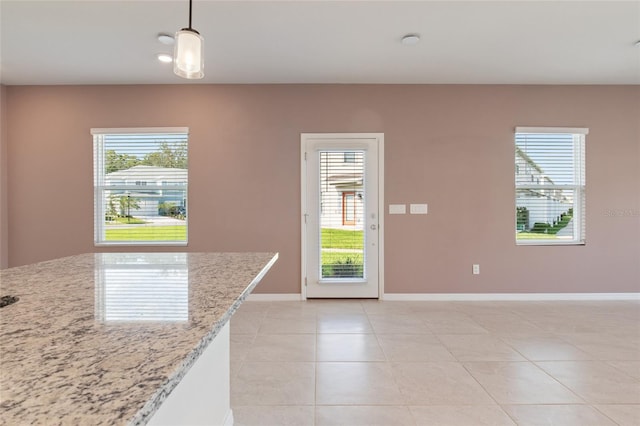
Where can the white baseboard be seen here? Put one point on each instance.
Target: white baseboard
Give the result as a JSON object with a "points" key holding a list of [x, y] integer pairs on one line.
{"points": [[229, 420], [461, 297], [274, 297], [507, 296]]}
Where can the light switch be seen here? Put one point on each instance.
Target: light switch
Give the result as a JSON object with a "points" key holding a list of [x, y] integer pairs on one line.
{"points": [[397, 208], [418, 209]]}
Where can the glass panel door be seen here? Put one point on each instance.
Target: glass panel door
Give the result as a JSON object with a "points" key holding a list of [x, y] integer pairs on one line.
{"points": [[340, 210], [342, 214]]}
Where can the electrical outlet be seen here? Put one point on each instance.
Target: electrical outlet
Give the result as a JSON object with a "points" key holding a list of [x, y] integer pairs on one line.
{"points": [[476, 269]]}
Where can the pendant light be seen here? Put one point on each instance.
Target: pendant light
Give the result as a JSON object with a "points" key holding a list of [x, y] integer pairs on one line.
{"points": [[188, 57]]}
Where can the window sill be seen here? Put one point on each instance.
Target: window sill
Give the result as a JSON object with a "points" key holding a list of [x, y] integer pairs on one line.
{"points": [[142, 243], [549, 243]]}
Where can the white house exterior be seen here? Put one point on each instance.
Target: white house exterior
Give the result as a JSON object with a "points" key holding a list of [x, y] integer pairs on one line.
{"points": [[544, 205], [150, 186]]}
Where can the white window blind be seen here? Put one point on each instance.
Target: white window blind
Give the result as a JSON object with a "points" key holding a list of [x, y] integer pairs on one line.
{"points": [[550, 185], [342, 214], [140, 186]]}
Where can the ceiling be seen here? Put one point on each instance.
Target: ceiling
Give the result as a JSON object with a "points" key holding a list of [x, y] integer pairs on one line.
{"points": [[462, 42]]}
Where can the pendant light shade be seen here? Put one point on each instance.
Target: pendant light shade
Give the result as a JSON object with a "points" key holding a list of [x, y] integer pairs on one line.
{"points": [[188, 61], [188, 56]]}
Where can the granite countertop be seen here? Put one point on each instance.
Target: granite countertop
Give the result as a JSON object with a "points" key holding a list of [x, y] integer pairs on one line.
{"points": [[102, 339]]}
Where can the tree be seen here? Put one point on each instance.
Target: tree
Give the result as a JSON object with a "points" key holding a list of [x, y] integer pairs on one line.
{"points": [[166, 208], [168, 156], [111, 207], [115, 162], [127, 203]]}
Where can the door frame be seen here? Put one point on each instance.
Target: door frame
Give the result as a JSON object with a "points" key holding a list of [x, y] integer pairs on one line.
{"points": [[304, 138]]}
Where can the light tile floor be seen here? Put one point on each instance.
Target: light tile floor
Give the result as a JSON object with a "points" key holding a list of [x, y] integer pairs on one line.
{"points": [[352, 362]]}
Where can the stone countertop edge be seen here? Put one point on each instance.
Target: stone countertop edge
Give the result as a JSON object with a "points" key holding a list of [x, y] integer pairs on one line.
{"points": [[143, 416]]}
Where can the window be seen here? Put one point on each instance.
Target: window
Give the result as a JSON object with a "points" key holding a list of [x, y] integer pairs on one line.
{"points": [[550, 204], [140, 186], [349, 157]]}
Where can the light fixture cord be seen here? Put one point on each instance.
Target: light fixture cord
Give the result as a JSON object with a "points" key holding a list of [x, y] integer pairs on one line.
{"points": [[190, 14]]}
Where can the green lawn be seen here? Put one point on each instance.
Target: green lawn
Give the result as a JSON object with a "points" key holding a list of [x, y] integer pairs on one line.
{"points": [[347, 261], [342, 239], [535, 236], [331, 258], [148, 233]]}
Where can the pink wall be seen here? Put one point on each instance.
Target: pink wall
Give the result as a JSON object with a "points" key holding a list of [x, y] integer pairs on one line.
{"points": [[4, 223], [448, 146]]}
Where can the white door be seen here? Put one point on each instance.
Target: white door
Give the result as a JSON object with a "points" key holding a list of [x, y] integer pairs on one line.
{"points": [[341, 206]]}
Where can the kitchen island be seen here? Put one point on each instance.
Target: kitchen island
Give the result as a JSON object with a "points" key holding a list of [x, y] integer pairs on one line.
{"points": [[122, 338]]}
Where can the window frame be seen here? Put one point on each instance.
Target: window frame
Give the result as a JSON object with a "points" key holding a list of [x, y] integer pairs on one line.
{"points": [[578, 187], [99, 155]]}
